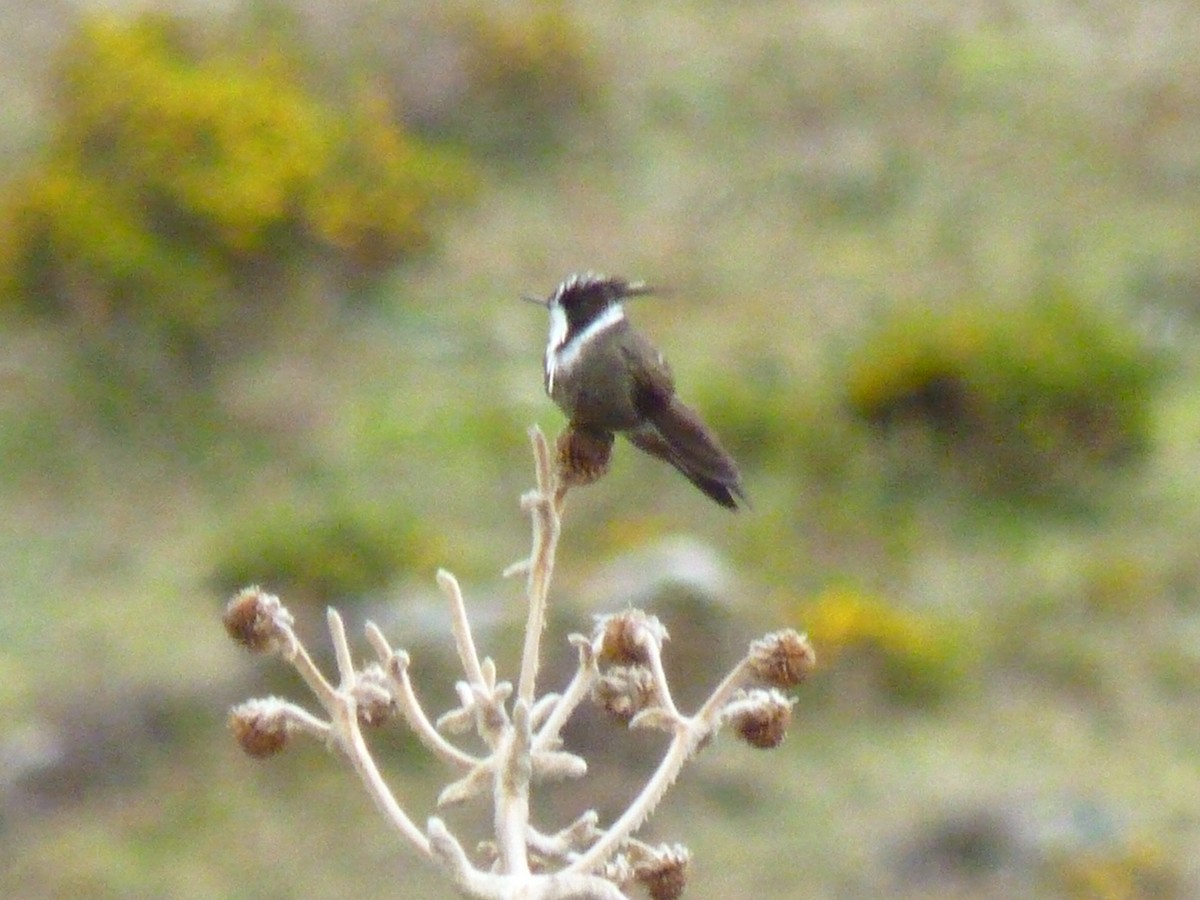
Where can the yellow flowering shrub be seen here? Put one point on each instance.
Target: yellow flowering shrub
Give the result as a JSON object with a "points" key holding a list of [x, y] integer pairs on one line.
{"points": [[223, 142], [1026, 393], [375, 198], [1122, 871], [177, 172], [915, 658]]}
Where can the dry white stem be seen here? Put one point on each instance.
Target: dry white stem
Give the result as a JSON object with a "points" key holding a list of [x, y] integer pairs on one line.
{"points": [[682, 746], [488, 668], [520, 567], [491, 716], [395, 665], [557, 765], [456, 721], [465, 643], [341, 649], [343, 712], [655, 718], [342, 708], [569, 840], [689, 735], [306, 723], [653, 650], [546, 525], [579, 688], [542, 708], [480, 709], [449, 854], [710, 713], [297, 654], [513, 773], [445, 850], [380, 644], [351, 740], [523, 746], [476, 783]]}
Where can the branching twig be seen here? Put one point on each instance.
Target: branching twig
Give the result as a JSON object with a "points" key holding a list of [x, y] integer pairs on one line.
{"points": [[396, 668], [576, 692], [619, 666], [462, 627], [544, 506]]}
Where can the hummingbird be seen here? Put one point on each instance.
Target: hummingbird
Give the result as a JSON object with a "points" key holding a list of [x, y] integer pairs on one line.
{"points": [[608, 379]]}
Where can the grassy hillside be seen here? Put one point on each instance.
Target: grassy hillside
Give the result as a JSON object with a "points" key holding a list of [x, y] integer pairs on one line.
{"points": [[932, 274]]}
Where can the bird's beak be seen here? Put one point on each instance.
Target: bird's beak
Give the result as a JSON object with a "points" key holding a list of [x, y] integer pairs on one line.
{"points": [[538, 300]]}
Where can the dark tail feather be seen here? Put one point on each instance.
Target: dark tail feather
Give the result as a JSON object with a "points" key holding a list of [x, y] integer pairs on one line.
{"points": [[727, 495], [680, 438]]}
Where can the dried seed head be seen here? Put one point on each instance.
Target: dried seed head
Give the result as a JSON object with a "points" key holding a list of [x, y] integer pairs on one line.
{"points": [[782, 659], [664, 874], [260, 727], [625, 637], [258, 621], [760, 717], [624, 691], [583, 456], [373, 697]]}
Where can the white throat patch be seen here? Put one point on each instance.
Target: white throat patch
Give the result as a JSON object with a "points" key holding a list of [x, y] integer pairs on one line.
{"points": [[561, 354]]}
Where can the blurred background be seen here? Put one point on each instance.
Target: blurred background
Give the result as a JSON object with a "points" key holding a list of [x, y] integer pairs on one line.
{"points": [[934, 279]]}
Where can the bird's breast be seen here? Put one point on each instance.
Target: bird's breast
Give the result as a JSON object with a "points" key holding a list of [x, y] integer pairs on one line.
{"points": [[594, 390]]}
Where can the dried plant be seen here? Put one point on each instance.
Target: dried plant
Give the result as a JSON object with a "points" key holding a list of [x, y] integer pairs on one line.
{"points": [[620, 667]]}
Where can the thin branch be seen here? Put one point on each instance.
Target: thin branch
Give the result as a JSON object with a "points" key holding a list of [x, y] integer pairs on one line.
{"points": [[688, 736], [344, 716], [680, 750], [709, 713], [297, 655], [663, 689], [546, 525], [462, 627], [341, 649], [513, 772], [567, 841], [305, 722], [576, 692], [395, 666], [448, 853]]}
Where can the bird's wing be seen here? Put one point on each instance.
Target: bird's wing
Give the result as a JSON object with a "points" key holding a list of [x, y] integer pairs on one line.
{"points": [[682, 438], [652, 387]]}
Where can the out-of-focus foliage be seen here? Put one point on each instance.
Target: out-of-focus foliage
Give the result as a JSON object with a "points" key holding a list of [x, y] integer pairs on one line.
{"points": [[1138, 869], [912, 658], [755, 156], [1025, 394], [180, 179], [513, 82], [334, 554], [759, 410], [529, 75]]}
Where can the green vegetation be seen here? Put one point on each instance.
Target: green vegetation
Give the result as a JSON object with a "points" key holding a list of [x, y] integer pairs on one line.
{"points": [[530, 80], [335, 555], [932, 277], [912, 658], [1022, 396], [181, 183]]}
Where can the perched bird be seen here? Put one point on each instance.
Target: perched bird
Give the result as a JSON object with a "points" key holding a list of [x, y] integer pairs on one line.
{"points": [[607, 378]]}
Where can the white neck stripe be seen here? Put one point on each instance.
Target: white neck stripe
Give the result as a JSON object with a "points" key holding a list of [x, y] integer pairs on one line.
{"points": [[563, 354]]}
